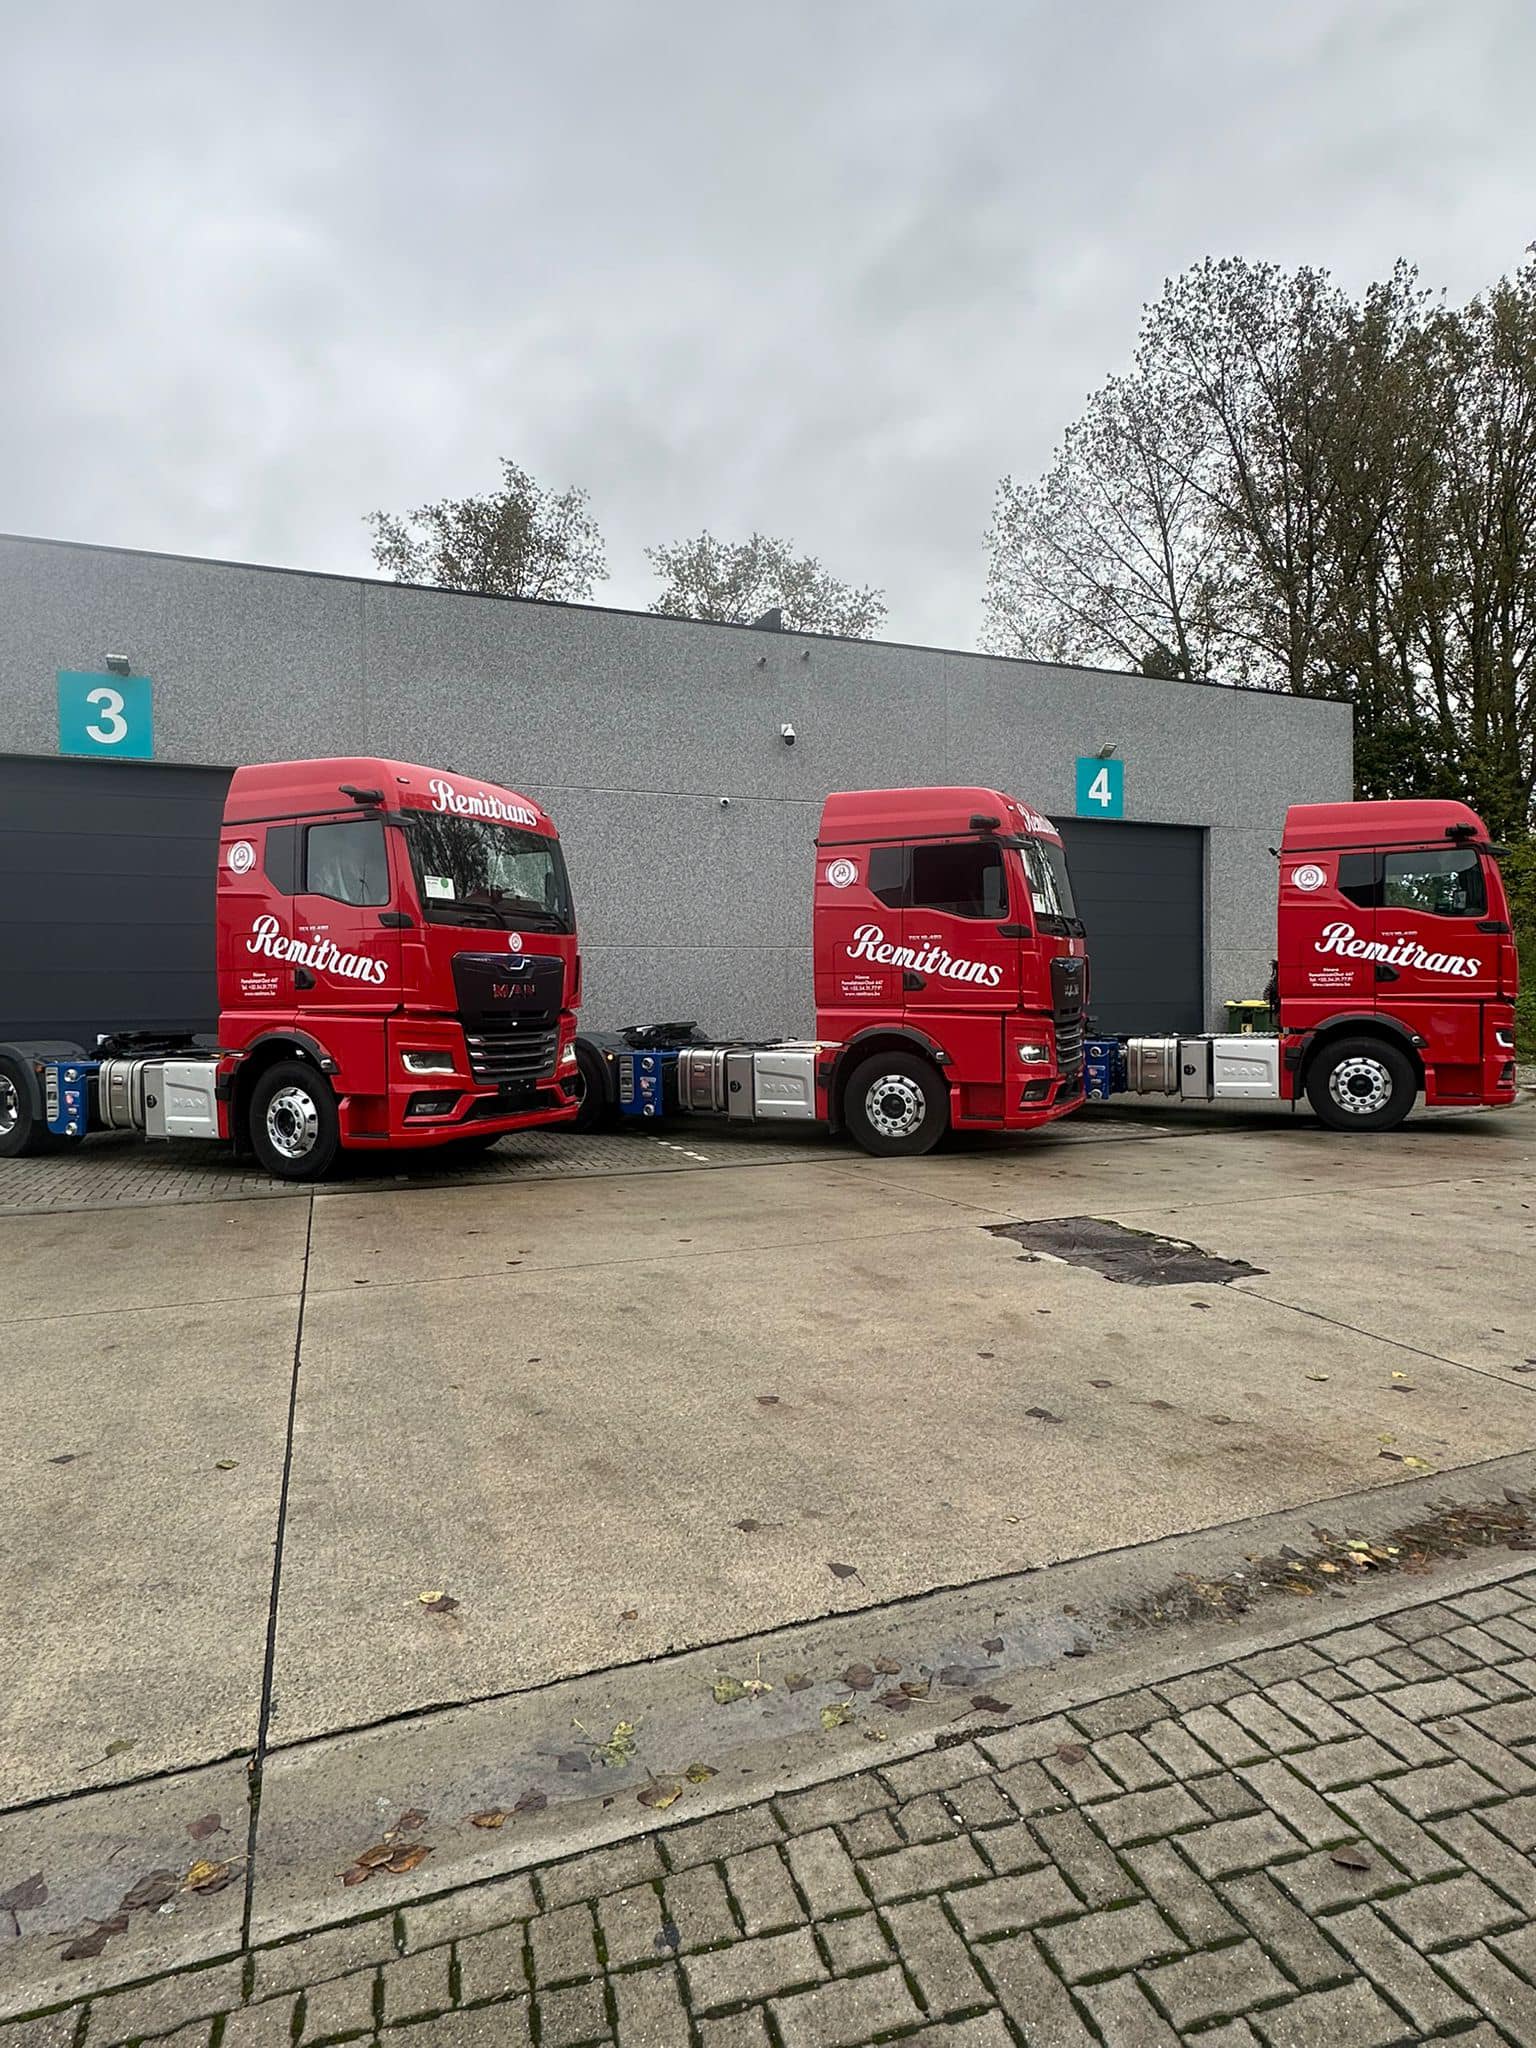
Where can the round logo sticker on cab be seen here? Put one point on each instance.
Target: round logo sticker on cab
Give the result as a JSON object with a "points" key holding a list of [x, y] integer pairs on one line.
{"points": [[514, 942], [842, 874], [241, 857], [1308, 877]]}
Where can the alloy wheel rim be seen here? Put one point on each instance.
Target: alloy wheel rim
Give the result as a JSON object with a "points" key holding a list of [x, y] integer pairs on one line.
{"points": [[895, 1106], [10, 1106], [293, 1123], [1360, 1086]]}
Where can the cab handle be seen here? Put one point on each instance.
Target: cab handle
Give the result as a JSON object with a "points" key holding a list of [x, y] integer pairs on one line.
{"points": [[1385, 971], [1493, 924], [397, 920], [911, 980], [1015, 931]]}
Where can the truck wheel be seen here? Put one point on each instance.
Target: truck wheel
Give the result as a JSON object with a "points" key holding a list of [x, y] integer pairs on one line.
{"points": [[293, 1125], [596, 1112], [896, 1105], [21, 1133], [1362, 1084]]}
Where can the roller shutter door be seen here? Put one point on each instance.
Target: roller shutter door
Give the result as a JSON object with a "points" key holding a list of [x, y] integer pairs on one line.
{"points": [[107, 896], [1141, 892]]}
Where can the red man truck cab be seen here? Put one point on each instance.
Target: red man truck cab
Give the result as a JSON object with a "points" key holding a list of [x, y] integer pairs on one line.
{"points": [[396, 963], [1396, 968], [947, 948]]}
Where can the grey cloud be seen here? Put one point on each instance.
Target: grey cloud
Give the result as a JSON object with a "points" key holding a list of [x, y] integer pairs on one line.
{"points": [[828, 270]]}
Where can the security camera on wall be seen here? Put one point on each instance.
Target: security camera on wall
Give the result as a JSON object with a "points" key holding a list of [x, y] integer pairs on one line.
{"points": [[787, 735]]}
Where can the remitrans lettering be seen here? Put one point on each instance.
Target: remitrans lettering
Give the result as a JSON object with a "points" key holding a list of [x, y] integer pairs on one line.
{"points": [[1342, 939], [317, 953], [478, 803], [869, 943]]}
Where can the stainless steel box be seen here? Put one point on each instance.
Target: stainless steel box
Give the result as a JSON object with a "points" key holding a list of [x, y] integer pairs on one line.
{"points": [[1152, 1066], [784, 1084], [701, 1079], [1245, 1066], [1195, 1069], [179, 1101], [738, 1086]]}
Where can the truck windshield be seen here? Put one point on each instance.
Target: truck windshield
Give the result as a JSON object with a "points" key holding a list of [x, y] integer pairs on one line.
{"points": [[472, 871], [1050, 886]]}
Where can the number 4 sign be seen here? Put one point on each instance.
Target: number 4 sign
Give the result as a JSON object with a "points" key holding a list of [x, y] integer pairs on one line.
{"points": [[1100, 787], [106, 715]]}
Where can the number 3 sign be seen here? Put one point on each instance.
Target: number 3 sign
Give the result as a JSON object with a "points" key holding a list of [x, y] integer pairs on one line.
{"points": [[106, 715]]}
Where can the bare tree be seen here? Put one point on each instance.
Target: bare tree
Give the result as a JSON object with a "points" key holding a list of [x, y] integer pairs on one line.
{"points": [[736, 584], [519, 541], [1305, 492]]}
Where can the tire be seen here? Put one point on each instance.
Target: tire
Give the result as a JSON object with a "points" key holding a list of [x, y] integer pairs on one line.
{"points": [[23, 1134], [292, 1123], [1362, 1084], [596, 1112], [896, 1105]]}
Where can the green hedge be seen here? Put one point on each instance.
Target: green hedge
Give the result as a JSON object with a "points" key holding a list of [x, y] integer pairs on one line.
{"points": [[1519, 866]]}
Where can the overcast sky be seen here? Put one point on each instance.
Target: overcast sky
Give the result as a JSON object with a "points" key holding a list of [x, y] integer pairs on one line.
{"points": [[827, 268]]}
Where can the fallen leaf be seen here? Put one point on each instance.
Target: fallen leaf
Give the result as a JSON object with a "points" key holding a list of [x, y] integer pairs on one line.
{"points": [[428, 1597], [377, 1856], [573, 1760], [1392, 1457], [797, 1682], [1418, 1465], [993, 1645], [440, 1603], [489, 1817], [1330, 1568], [69, 1457], [896, 1702], [532, 1801], [21, 1898], [727, 1690], [915, 1688], [152, 1890], [630, 1614], [92, 1942], [749, 1527], [1167, 1406], [984, 1703], [1041, 1415], [1077, 1650], [842, 1571], [407, 1858], [358, 1874], [409, 1821], [660, 1793], [767, 1400], [1072, 1752], [699, 1774], [858, 1678], [877, 1734], [986, 1354], [1399, 1375], [1351, 1857], [205, 1825], [119, 1748], [1318, 1377], [1405, 1389], [225, 1464], [835, 1715], [888, 1666], [669, 1940], [1101, 1383], [207, 1877], [619, 1749]]}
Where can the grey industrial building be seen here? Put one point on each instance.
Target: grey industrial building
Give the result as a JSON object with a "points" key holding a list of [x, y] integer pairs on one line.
{"points": [[656, 744]]}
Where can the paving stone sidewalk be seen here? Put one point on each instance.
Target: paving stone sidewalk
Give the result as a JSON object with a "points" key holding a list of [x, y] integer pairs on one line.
{"points": [[1329, 1843]]}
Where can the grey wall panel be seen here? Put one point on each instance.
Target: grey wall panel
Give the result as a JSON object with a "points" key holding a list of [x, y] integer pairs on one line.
{"points": [[730, 991]]}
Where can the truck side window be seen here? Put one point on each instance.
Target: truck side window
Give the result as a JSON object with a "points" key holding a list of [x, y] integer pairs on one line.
{"points": [[280, 862], [1447, 881], [888, 875], [966, 880], [347, 862], [1358, 880]]}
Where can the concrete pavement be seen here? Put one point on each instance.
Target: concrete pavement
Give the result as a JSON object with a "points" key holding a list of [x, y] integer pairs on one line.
{"points": [[616, 1417]]}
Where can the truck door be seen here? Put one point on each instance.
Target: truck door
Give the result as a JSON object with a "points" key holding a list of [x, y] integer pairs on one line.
{"points": [[960, 970], [346, 966], [1441, 965], [1327, 927]]}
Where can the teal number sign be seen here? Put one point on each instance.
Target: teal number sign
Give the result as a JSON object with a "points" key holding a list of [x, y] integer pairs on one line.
{"points": [[1100, 787], [106, 715]]}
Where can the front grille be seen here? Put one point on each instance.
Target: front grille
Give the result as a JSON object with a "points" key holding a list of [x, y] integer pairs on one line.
{"points": [[513, 1051], [1069, 1048]]}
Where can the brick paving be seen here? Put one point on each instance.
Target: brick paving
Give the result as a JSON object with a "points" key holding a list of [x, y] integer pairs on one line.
{"points": [[1324, 1846]]}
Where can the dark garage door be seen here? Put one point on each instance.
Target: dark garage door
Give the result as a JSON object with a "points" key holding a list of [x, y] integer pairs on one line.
{"points": [[106, 896], [1141, 892]]}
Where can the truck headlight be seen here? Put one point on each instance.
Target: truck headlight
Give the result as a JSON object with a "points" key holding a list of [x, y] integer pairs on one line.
{"points": [[1504, 1040], [440, 1061], [568, 1056], [1034, 1052]]}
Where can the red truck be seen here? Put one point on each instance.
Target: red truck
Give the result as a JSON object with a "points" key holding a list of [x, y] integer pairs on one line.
{"points": [[952, 984], [396, 965]]}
